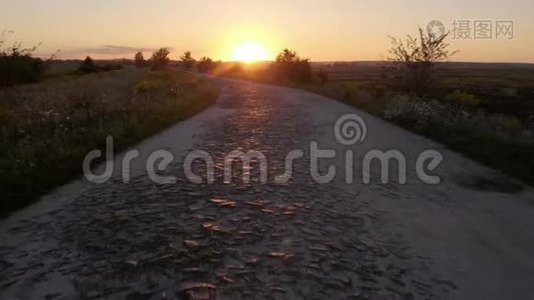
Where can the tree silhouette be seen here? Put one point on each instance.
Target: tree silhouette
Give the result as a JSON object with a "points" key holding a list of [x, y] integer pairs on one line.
{"points": [[160, 59], [88, 66], [290, 67], [411, 64], [139, 60], [287, 57], [187, 60]]}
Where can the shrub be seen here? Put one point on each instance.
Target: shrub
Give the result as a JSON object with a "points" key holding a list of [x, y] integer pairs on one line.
{"points": [[411, 66], [18, 66], [464, 99], [408, 111]]}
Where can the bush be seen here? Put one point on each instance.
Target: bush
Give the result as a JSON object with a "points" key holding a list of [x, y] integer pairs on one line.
{"points": [[411, 66], [463, 99], [18, 66], [424, 114]]}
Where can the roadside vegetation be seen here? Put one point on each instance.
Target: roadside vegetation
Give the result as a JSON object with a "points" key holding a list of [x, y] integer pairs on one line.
{"points": [[486, 113], [46, 129], [17, 65]]}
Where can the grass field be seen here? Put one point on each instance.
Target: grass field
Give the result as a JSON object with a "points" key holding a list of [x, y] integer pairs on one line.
{"points": [[48, 128]]}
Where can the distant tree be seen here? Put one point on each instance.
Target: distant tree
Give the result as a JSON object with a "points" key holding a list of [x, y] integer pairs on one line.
{"points": [[205, 64], [187, 60], [160, 59], [287, 57], [88, 66], [139, 60], [289, 66], [411, 65]]}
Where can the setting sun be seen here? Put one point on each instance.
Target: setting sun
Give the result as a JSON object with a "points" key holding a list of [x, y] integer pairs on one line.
{"points": [[249, 52]]}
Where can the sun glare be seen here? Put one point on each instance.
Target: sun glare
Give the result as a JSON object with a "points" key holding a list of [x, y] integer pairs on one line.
{"points": [[249, 52]]}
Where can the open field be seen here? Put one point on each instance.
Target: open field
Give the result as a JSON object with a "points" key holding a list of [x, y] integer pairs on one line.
{"points": [[48, 128], [485, 111], [500, 88]]}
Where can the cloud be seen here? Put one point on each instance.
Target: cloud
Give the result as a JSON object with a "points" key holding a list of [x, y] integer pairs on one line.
{"points": [[107, 51], [114, 49]]}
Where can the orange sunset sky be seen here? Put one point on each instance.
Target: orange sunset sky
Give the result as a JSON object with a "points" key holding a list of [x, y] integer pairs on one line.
{"points": [[337, 30]]}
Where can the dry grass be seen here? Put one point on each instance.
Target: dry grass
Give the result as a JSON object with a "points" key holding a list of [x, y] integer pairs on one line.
{"points": [[46, 129]]}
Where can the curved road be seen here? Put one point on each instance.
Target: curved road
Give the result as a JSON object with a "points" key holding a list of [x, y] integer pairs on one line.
{"points": [[469, 237]]}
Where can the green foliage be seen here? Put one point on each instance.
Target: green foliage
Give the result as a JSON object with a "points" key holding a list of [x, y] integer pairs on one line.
{"points": [[152, 81], [160, 59], [494, 139], [145, 86], [463, 99], [187, 60], [58, 123]]}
